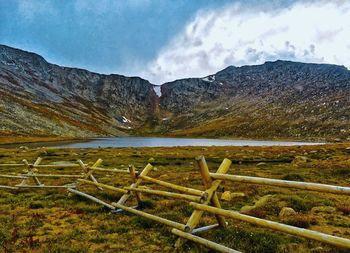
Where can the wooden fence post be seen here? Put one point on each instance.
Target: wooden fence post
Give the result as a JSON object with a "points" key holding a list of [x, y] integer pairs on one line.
{"points": [[126, 196], [88, 172], [197, 214], [31, 171], [207, 181], [133, 175]]}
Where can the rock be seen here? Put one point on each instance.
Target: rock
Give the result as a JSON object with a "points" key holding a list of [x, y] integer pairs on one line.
{"points": [[23, 147], [151, 160], [228, 196], [263, 201], [323, 209], [262, 164], [286, 212], [300, 160]]}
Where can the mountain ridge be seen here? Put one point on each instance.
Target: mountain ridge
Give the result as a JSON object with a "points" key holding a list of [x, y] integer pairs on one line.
{"points": [[304, 100], [31, 84]]}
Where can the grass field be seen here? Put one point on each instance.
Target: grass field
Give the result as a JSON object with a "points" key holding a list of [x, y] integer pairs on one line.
{"points": [[52, 221]]}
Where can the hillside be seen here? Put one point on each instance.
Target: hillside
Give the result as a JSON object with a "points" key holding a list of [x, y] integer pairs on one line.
{"points": [[279, 99], [39, 98], [274, 100]]}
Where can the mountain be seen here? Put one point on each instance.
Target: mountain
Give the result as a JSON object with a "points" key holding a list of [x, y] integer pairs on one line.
{"points": [[280, 99], [39, 98]]}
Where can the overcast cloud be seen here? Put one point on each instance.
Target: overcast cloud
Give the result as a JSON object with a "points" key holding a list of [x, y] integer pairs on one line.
{"points": [[237, 35]]}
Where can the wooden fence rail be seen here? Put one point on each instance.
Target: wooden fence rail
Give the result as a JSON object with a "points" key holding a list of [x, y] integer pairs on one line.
{"points": [[325, 238], [284, 183], [205, 200]]}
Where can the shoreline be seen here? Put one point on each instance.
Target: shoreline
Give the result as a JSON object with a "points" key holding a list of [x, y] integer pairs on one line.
{"points": [[18, 140]]}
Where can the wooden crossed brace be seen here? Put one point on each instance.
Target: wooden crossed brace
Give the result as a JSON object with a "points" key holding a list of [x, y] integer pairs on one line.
{"points": [[31, 172], [136, 182], [211, 187], [88, 172]]}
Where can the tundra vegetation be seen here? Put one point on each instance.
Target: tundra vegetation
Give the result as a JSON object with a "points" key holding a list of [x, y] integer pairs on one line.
{"points": [[51, 220]]}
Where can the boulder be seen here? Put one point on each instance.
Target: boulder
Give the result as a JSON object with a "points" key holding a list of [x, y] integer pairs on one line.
{"points": [[263, 201], [300, 160], [286, 212], [226, 196], [151, 160]]}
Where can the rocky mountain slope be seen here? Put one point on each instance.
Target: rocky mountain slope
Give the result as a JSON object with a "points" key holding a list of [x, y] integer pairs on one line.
{"points": [[39, 98], [279, 99], [275, 100]]}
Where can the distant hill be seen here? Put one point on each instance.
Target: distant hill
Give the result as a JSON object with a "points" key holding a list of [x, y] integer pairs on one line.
{"points": [[280, 99]]}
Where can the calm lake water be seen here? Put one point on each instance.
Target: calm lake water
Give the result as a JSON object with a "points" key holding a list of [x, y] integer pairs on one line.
{"points": [[172, 142]]}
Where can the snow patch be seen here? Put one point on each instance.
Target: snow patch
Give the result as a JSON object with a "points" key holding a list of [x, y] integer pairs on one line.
{"points": [[209, 79], [125, 120], [157, 90]]}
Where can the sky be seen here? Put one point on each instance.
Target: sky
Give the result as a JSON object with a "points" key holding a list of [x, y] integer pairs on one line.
{"points": [[164, 40]]}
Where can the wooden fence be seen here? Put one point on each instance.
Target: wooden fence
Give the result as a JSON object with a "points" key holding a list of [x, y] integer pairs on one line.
{"points": [[205, 200]]}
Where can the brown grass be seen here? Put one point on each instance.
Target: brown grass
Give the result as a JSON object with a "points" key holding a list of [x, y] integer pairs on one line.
{"points": [[50, 221]]}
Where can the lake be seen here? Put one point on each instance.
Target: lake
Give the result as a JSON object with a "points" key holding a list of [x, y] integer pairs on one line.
{"points": [[117, 142]]}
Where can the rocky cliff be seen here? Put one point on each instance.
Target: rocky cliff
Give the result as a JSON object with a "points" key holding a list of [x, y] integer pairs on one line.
{"points": [[45, 99], [279, 99]]}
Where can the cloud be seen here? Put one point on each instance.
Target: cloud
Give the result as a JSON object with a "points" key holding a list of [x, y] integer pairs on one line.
{"points": [[238, 35]]}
